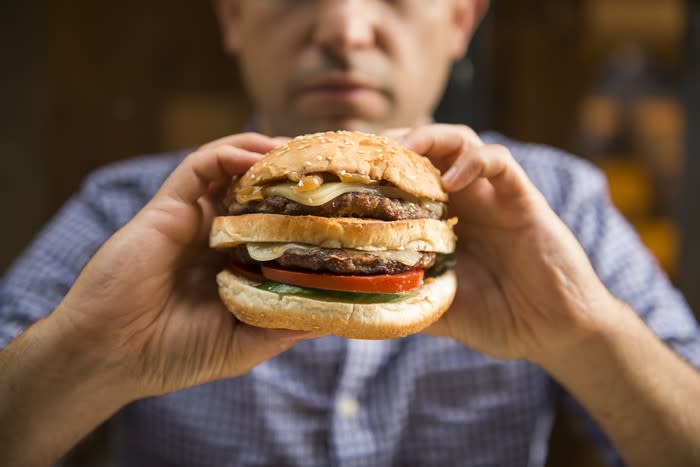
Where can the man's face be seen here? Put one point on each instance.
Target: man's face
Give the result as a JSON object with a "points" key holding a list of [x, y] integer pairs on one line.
{"points": [[314, 65]]}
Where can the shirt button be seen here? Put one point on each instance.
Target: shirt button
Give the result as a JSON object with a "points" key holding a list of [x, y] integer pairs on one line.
{"points": [[348, 407]]}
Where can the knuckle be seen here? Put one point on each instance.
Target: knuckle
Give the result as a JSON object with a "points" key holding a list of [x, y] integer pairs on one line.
{"points": [[499, 149], [465, 129]]}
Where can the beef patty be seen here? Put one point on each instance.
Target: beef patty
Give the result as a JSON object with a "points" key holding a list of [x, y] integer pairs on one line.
{"points": [[363, 205], [337, 261]]}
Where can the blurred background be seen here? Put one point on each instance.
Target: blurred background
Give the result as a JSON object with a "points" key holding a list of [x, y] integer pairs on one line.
{"points": [[85, 83]]}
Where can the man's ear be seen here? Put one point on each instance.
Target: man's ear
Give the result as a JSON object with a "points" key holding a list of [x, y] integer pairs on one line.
{"points": [[228, 13], [467, 14]]}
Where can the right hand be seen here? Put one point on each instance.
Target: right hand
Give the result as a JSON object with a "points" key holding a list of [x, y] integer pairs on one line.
{"points": [[146, 305], [526, 288]]}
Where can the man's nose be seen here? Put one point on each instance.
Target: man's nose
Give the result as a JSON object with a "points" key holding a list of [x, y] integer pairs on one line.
{"points": [[345, 24]]}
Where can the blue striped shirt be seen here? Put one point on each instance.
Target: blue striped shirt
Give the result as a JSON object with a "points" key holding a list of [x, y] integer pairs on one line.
{"points": [[413, 401]]}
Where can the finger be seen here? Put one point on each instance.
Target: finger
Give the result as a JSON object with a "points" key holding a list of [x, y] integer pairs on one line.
{"points": [[444, 144], [281, 140], [397, 134], [465, 158], [208, 211], [441, 140], [492, 162], [204, 168], [254, 142]]}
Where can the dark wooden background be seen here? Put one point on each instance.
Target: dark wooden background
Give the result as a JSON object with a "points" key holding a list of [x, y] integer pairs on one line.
{"points": [[86, 83], [690, 212]]}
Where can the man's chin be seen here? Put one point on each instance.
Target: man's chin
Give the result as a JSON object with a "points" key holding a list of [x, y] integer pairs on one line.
{"points": [[350, 123]]}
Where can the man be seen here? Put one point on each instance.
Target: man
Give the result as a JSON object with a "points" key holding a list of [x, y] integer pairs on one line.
{"points": [[535, 304]]}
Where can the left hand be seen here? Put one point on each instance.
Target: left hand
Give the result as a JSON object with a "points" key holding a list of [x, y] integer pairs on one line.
{"points": [[146, 305], [525, 286]]}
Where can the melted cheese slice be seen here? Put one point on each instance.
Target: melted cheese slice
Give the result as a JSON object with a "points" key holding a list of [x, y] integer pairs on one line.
{"points": [[329, 191]]}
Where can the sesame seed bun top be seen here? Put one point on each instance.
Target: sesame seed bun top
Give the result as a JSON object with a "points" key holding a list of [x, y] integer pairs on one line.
{"points": [[345, 153]]}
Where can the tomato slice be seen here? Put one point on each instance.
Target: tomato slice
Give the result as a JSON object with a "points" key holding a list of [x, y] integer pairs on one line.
{"points": [[384, 283], [243, 271]]}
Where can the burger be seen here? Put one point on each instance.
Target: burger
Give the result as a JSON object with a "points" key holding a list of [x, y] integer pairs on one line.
{"points": [[343, 233]]}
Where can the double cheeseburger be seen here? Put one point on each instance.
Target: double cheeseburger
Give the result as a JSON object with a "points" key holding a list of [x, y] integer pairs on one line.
{"points": [[338, 232]]}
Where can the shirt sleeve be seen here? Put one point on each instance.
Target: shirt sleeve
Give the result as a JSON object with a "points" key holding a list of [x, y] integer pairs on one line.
{"points": [[631, 274], [42, 275]]}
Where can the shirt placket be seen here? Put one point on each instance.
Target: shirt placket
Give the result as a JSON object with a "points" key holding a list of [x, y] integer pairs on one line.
{"points": [[355, 440]]}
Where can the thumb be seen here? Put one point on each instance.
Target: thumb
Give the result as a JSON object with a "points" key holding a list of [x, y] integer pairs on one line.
{"points": [[252, 346]]}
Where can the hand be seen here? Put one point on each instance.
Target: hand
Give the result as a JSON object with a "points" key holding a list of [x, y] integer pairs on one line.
{"points": [[147, 302], [525, 286]]}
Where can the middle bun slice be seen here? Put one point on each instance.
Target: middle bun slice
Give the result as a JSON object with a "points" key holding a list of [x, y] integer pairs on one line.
{"points": [[428, 235]]}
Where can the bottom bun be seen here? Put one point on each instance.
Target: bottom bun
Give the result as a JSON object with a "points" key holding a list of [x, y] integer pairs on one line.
{"points": [[352, 320]]}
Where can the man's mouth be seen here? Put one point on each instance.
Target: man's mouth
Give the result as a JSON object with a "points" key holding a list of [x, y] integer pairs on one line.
{"points": [[339, 87]]}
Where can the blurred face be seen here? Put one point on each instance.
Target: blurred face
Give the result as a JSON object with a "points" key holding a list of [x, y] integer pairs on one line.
{"points": [[314, 65]]}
